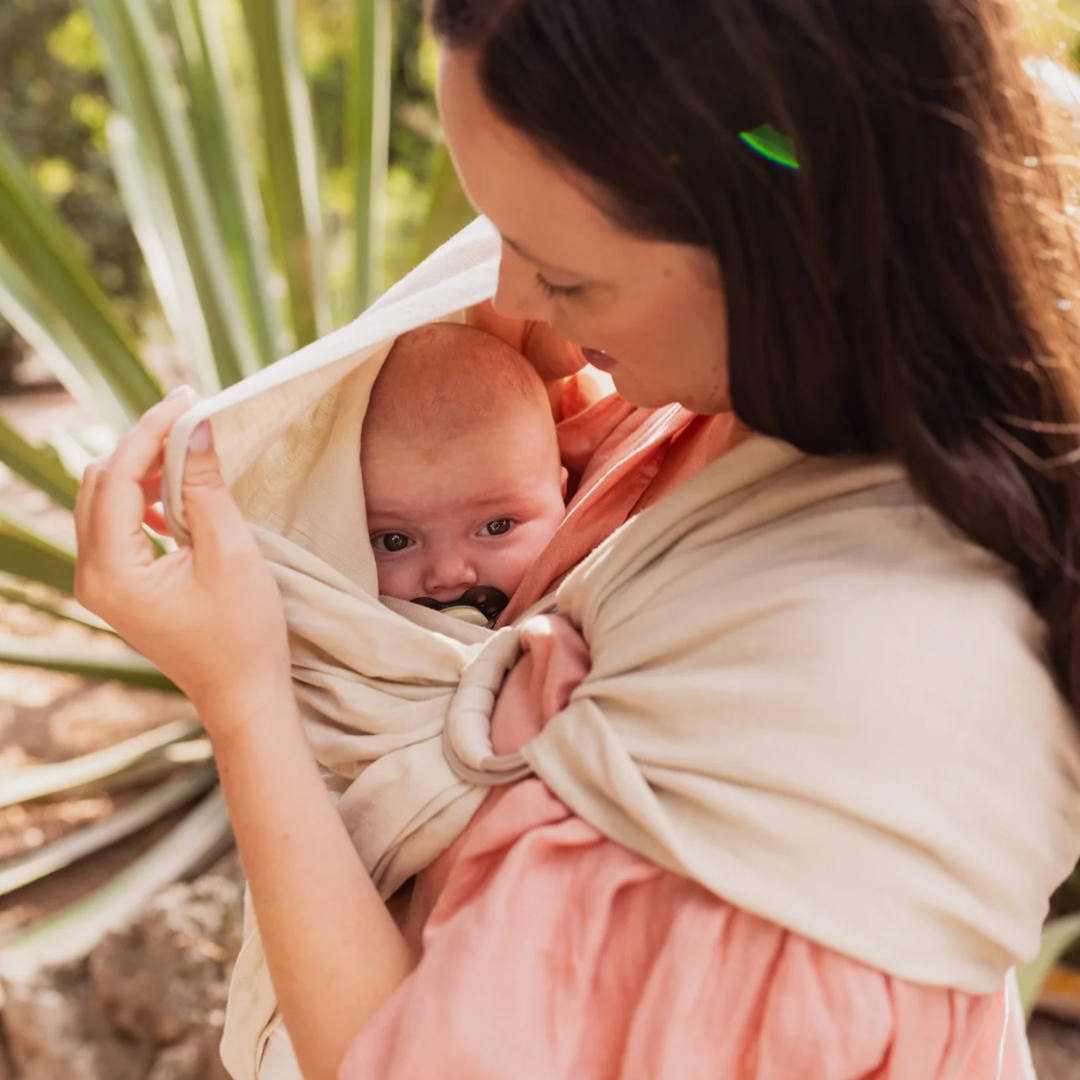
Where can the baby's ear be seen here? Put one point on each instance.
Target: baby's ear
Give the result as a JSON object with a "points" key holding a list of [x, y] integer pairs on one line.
{"points": [[565, 482]]}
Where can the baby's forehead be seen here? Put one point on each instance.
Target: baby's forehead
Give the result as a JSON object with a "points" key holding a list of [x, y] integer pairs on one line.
{"points": [[447, 378]]}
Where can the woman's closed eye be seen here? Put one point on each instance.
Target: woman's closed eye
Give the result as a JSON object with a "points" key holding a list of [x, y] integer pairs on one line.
{"points": [[564, 292], [498, 527], [390, 543]]}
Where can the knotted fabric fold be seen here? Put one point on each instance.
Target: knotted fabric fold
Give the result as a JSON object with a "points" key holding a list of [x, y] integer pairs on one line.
{"points": [[806, 693]]}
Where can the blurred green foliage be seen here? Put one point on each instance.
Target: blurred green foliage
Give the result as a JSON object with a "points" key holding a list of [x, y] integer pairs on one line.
{"points": [[53, 104]]}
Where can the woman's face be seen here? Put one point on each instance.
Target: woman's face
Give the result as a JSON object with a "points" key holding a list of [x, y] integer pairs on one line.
{"points": [[651, 313]]}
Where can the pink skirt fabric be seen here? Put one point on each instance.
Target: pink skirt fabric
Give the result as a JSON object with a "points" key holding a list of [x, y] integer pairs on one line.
{"points": [[552, 953]]}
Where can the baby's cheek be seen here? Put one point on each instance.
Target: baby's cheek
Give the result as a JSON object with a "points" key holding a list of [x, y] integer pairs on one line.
{"points": [[397, 579], [518, 560]]}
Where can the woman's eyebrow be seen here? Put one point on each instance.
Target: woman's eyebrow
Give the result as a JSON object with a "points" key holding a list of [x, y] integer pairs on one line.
{"points": [[526, 254]]}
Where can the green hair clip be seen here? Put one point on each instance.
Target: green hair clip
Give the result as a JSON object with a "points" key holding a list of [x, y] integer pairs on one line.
{"points": [[769, 143]]}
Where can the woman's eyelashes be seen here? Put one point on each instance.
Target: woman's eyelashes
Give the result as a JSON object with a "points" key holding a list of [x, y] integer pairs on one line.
{"points": [[561, 291], [390, 543]]}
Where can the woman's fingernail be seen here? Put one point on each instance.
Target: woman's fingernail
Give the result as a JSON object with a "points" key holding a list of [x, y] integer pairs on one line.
{"points": [[202, 439], [183, 390]]}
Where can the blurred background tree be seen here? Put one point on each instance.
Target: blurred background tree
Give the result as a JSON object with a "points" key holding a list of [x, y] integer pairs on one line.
{"points": [[53, 105], [189, 190]]}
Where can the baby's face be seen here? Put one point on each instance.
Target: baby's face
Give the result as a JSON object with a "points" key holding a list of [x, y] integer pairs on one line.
{"points": [[477, 509]]}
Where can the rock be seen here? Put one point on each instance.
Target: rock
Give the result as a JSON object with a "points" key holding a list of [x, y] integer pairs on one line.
{"points": [[56, 1030], [167, 974], [195, 1057]]}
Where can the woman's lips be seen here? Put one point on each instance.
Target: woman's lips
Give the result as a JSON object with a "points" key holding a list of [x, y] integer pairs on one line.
{"points": [[600, 359]]}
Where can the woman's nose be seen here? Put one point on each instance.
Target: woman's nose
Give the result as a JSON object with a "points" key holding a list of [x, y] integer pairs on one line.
{"points": [[517, 295], [448, 575]]}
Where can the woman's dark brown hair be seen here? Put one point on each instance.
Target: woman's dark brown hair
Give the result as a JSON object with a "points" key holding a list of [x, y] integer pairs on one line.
{"points": [[906, 291]]}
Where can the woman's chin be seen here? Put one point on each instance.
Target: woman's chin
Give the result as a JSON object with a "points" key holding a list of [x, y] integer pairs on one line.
{"points": [[642, 395]]}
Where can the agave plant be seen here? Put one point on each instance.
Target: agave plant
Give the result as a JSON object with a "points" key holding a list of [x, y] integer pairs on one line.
{"points": [[213, 146]]}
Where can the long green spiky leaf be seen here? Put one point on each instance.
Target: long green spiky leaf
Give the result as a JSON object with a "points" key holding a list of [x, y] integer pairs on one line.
{"points": [[130, 669], [40, 467], [449, 211], [27, 552], [1059, 937], [144, 811], [71, 933], [292, 180], [142, 86], [369, 142], [145, 194], [48, 293], [215, 114], [43, 781], [18, 594]]}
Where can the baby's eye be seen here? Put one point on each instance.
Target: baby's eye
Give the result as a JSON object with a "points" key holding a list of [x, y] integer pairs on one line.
{"points": [[498, 527], [391, 543]]}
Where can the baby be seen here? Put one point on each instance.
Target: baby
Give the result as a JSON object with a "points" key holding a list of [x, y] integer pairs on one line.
{"points": [[462, 477]]}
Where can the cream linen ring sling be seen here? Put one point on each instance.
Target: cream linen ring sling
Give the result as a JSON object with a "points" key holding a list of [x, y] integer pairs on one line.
{"points": [[803, 685]]}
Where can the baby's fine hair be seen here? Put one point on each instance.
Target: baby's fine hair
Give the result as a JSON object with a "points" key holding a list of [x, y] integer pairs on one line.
{"points": [[445, 378]]}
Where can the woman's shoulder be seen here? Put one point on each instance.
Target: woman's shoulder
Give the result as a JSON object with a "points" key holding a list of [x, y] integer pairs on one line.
{"points": [[837, 578]]}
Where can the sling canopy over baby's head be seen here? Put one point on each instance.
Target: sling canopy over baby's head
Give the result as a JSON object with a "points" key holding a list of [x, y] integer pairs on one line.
{"points": [[288, 437]]}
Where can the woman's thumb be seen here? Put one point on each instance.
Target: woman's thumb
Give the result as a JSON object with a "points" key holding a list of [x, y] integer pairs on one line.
{"points": [[212, 514]]}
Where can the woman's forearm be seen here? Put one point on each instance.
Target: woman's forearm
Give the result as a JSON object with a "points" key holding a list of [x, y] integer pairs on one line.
{"points": [[334, 966]]}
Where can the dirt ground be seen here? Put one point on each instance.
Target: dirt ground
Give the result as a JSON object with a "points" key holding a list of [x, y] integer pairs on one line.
{"points": [[48, 717]]}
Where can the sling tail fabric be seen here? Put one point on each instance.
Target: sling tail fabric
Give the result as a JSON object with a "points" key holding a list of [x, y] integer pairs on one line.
{"points": [[802, 683]]}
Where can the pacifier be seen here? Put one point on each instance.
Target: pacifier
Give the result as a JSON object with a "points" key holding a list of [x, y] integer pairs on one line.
{"points": [[479, 606]]}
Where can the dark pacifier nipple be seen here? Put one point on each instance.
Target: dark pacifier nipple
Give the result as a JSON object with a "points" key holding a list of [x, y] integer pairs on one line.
{"points": [[480, 606]]}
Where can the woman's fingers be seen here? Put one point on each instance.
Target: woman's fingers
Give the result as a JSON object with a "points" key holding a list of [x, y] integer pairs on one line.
{"points": [[113, 503], [219, 532], [84, 500], [140, 448]]}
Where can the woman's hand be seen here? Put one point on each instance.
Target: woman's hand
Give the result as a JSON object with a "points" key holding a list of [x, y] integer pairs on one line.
{"points": [[208, 615]]}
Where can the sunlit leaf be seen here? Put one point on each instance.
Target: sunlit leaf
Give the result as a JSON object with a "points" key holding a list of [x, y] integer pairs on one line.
{"points": [[153, 806], [1059, 937], [42, 468], [369, 142], [153, 220], [143, 88], [71, 933], [41, 781], [131, 668], [215, 116], [65, 611], [30, 553], [48, 293], [292, 182]]}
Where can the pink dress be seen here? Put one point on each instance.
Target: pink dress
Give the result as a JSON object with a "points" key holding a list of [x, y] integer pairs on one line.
{"points": [[551, 953]]}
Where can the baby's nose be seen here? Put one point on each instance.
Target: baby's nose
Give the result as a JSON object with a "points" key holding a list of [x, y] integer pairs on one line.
{"points": [[448, 575]]}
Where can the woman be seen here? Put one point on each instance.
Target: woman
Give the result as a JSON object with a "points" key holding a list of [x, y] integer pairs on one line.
{"points": [[904, 292]]}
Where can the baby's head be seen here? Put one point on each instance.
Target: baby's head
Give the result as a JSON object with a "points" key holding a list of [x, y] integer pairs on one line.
{"points": [[462, 476]]}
